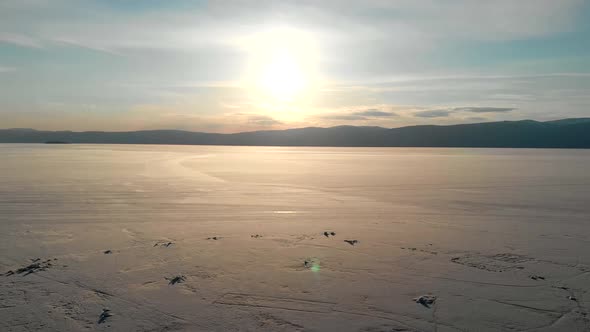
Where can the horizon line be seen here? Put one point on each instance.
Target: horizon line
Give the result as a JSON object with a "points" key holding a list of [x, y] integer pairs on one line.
{"points": [[295, 128]]}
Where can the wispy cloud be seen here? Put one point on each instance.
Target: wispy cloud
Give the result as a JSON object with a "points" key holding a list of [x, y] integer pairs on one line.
{"points": [[440, 113], [263, 120], [484, 109], [20, 40], [366, 114], [374, 113], [433, 114], [358, 114], [343, 117], [88, 46]]}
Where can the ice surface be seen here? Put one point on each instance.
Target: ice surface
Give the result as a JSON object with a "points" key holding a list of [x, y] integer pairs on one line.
{"points": [[467, 226]]}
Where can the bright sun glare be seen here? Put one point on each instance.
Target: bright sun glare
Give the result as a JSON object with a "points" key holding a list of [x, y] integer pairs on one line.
{"points": [[283, 78], [282, 64]]}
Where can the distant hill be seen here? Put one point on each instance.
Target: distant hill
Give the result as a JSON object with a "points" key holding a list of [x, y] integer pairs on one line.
{"points": [[566, 133]]}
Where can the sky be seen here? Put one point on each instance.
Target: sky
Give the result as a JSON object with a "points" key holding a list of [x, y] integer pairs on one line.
{"points": [[230, 66]]}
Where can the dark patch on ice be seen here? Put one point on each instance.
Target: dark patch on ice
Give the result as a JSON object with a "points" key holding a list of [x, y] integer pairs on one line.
{"points": [[536, 277], [420, 250], [163, 244], [426, 300], [329, 233], [106, 313], [176, 280], [37, 266]]}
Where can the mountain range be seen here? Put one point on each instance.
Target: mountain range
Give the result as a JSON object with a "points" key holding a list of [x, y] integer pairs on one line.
{"points": [[566, 133]]}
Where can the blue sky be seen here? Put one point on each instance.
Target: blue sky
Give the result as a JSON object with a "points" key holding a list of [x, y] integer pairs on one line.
{"points": [[226, 66]]}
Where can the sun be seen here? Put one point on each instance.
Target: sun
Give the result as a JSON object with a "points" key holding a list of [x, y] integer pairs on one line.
{"points": [[281, 65], [282, 78]]}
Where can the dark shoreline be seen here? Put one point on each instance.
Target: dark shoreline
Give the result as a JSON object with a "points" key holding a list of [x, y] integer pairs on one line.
{"points": [[560, 134]]}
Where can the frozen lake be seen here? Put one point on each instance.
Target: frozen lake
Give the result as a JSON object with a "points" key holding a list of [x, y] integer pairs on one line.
{"points": [[499, 236]]}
